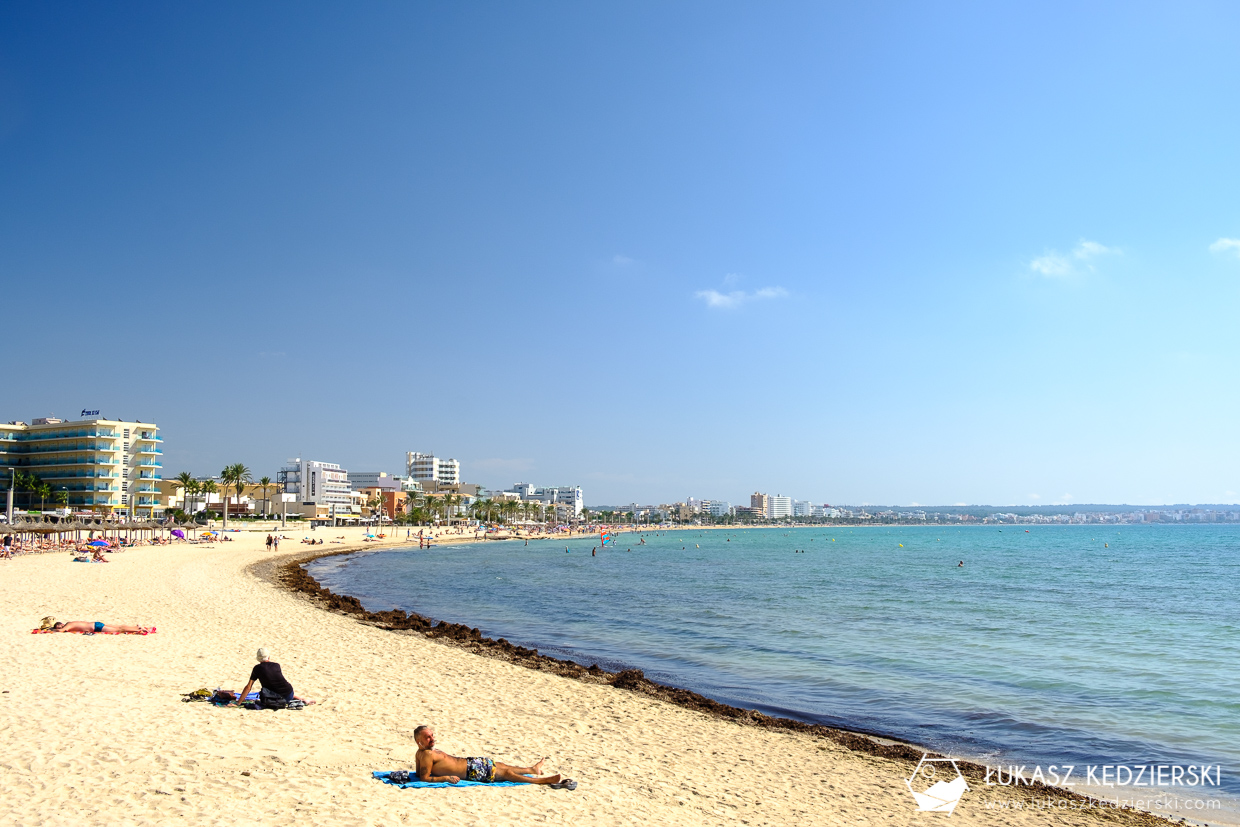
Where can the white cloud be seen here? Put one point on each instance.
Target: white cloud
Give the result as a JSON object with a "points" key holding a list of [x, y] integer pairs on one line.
{"points": [[1051, 265], [622, 261], [1035, 496], [1056, 265], [735, 298], [1224, 245], [1089, 249]]}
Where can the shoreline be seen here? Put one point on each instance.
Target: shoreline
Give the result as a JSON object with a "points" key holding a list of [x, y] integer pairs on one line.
{"points": [[93, 726], [291, 576]]}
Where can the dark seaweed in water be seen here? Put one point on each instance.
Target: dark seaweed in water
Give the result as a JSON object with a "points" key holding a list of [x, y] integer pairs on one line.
{"points": [[295, 578]]}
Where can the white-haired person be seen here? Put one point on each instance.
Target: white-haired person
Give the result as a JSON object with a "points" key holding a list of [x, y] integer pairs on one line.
{"points": [[274, 688]]}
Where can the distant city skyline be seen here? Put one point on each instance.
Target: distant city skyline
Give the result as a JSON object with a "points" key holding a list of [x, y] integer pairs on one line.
{"points": [[879, 253]]}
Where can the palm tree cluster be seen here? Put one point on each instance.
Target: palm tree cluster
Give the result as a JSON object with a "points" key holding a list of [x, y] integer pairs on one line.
{"points": [[234, 476], [35, 487]]}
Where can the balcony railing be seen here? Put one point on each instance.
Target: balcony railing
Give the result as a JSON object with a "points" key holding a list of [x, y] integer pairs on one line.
{"points": [[77, 447], [44, 436], [69, 461]]}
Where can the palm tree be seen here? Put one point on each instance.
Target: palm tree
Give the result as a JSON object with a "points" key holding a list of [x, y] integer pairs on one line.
{"points": [[265, 483], [44, 491], [375, 504], [236, 475], [62, 498], [207, 488], [192, 488], [182, 481]]}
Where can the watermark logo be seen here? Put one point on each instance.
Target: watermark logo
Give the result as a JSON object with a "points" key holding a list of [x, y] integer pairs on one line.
{"points": [[936, 784]]}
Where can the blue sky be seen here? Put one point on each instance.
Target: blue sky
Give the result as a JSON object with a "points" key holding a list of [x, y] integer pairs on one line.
{"points": [[884, 253]]}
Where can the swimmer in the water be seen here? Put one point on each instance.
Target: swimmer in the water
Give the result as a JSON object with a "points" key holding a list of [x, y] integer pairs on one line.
{"points": [[960, 565], [594, 552]]}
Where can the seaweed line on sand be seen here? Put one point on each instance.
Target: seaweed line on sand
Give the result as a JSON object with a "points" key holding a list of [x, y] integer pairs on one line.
{"points": [[289, 574]]}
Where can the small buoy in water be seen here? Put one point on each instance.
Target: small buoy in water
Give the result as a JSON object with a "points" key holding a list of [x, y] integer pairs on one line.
{"points": [[1106, 545], [901, 545]]}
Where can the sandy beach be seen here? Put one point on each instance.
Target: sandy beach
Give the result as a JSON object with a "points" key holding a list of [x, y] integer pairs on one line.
{"points": [[94, 730]]}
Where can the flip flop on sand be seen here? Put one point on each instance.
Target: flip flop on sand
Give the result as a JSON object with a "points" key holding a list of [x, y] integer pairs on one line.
{"points": [[566, 784]]}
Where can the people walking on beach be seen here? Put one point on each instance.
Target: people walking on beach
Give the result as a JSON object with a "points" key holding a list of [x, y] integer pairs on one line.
{"points": [[269, 541], [8, 546], [436, 765], [96, 626], [274, 688]]}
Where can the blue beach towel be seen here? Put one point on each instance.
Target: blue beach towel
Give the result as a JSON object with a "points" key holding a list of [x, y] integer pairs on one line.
{"points": [[425, 785]]}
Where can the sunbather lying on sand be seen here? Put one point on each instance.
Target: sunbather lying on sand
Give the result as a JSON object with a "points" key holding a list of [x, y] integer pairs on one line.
{"points": [[437, 765], [97, 626]]}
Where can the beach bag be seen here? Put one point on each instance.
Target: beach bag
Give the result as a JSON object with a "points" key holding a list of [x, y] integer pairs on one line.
{"points": [[270, 700]]}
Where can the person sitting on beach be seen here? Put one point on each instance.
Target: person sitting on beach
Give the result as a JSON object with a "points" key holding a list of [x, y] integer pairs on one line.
{"points": [[436, 765], [93, 627], [273, 686]]}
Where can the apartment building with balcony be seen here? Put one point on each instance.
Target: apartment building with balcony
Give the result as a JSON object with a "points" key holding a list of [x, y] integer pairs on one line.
{"points": [[569, 497], [321, 489], [430, 468], [103, 466]]}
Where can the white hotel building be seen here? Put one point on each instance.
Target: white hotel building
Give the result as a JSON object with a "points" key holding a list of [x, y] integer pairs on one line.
{"points": [[320, 489], [568, 496], [778, 507], [432, 469]]}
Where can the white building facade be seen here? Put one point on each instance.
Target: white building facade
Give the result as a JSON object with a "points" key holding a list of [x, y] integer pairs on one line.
{"points": [[778, 507], [567, 496], [430, 468], [323, 485], [805, 508]]}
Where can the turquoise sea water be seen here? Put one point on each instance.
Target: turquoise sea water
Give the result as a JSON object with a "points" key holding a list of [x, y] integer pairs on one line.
{"points": [[1046, 647]]}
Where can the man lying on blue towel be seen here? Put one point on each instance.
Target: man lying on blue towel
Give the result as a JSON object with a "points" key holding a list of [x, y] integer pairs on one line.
{"points": [[437, 765]]}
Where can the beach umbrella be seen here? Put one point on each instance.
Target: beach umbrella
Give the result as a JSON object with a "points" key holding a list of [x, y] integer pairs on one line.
{"points": [[98, 542], [176, 532]]}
